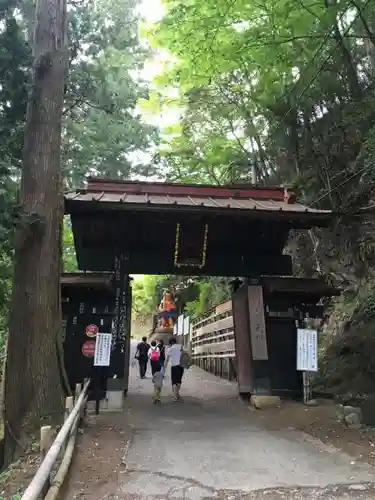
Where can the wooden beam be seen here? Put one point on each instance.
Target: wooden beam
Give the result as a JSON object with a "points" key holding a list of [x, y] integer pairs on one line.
{"points": [[155, 262]]}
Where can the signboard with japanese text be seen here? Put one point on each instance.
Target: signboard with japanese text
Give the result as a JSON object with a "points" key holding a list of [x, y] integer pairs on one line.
{"points": [[257, 323], [103, 349], [307, 350]]}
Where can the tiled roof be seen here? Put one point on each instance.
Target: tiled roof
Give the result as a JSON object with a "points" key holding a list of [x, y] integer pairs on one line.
{"points": [[239, 198]]}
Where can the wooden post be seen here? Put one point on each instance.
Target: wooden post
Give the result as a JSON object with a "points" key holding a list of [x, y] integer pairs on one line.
{"points": [[97, 389], [78, 391], [85, 408], [45, 444], [76, 396], [69, 403], [307, 387]]}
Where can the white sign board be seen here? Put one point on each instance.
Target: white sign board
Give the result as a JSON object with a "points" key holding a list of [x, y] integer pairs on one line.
{"points": [[103, 349], [180, 325], [307, 350], [175, 329], [187, 325]]}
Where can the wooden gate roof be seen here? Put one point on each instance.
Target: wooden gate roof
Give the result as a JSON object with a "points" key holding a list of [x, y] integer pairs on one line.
{"points": [[110, 194], [247, 226]]}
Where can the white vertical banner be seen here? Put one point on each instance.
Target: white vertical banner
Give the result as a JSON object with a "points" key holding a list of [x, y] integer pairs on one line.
{"points": [[103, 346], [187, 325], [180, 325], [175, 326], [307, 350]]}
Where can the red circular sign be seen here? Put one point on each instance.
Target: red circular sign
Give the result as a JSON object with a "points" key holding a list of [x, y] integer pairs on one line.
{"points": [[92, 330], [88, 348]]}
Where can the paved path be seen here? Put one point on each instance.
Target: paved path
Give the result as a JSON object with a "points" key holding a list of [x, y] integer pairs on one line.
{"points": [[212, 443], [212, 446]]}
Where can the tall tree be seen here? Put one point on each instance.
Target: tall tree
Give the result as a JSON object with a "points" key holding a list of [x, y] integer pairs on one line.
{"points": [[14, 73], [32, 362], [103, 130]]}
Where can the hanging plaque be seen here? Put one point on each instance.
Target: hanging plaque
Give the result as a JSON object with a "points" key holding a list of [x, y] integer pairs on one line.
{"points": [[103, 349], [257, 323], [307, 350]]}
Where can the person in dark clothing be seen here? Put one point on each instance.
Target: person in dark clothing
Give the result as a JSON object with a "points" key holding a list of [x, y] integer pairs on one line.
{"points": [[142, 356], [154, 356], [161, 347]]}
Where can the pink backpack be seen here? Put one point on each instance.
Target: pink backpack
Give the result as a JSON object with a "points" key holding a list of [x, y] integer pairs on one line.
{"points": [[155, 355]]}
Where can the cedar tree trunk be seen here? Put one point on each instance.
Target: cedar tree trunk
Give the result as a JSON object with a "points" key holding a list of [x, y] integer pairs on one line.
{"points": [[32, 378]]}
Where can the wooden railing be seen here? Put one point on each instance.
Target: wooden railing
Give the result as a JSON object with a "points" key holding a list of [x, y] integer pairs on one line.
{"points": [[41, 486], [212, 341]]}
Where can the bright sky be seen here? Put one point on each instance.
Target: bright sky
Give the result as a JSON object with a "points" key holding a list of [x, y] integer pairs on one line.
{"points": [[152, 11]]}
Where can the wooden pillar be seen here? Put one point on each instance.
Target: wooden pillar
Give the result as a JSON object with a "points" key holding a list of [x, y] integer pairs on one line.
{"points": [[119, 325], [258, 340], [242, 340], [128, 302]]}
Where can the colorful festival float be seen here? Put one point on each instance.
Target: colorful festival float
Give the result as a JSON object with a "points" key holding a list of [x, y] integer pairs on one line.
{"points": [[165, 318]]}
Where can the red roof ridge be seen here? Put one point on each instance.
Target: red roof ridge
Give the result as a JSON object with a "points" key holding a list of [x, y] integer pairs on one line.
{"points": [[249, 191]]}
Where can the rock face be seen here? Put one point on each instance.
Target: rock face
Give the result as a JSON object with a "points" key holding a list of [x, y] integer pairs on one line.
{"points": [[350, 416], [262, 402]]}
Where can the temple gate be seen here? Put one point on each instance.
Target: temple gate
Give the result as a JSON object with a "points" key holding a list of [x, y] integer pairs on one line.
{"points": [[160, 228]]}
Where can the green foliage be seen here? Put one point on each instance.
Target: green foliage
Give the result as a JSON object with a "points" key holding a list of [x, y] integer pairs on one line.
{"points": [[102, 127], [280, 88], [69, 253], [347, 361], [14, 64], [145, 296], [193, 295]]}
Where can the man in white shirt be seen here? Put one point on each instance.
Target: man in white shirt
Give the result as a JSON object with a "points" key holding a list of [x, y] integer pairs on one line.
{"points": [[173, 357]]}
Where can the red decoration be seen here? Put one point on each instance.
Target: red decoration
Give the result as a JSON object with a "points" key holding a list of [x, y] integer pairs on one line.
{"points": [[88, 349], [92, 330]]}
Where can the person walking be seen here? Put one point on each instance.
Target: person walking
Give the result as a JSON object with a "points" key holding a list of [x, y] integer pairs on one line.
{"points": [[157, 380], [142, 356], [154, 357], [161, 347], [173, 357]]}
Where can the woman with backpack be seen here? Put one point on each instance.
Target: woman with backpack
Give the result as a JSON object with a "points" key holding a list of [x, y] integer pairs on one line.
{"points": [[154, 357]]}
